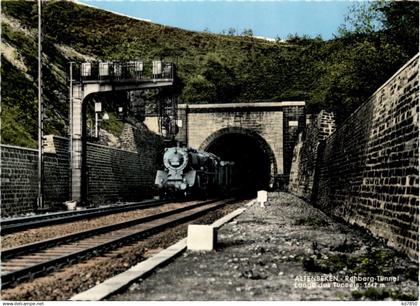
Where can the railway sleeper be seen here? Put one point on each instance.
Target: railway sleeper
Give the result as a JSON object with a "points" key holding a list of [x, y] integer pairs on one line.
{"points": [[151, 219], [91, 252], [13, 226]]}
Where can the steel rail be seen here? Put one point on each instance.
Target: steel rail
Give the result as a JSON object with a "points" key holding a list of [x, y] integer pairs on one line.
{"points": [[43, 244], [109, 240], [14, 225]]}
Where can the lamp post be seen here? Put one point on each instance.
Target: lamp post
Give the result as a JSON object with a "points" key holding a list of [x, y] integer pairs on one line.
{"points": [[120, 112], [98, 109], [105, 117], [40, 201]]}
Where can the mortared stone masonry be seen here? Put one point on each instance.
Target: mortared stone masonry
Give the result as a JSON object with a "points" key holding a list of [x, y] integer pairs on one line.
{"points": [[112, 174], [367, 171]]}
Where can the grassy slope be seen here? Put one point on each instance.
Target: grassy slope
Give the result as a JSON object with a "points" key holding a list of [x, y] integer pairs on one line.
{"points": [[212, 68]]}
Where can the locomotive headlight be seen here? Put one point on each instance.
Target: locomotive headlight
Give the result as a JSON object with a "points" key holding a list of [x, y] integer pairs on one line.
{"points": [[175, 159]]}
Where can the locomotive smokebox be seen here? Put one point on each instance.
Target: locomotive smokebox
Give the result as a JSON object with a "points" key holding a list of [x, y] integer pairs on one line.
{"points": [[190, 171]]}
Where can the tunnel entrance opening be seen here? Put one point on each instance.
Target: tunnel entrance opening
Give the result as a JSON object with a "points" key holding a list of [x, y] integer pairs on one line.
{"points": [[252, 163]]}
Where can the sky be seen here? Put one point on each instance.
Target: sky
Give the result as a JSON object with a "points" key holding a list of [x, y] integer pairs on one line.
{"points": [[266, 18]]}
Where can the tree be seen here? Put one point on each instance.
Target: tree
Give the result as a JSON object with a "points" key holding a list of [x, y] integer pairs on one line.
{"points": [[222, 77], [199, 90], [247, 32], [400, 20], [362, 18], [397, 19], [231, 31]]}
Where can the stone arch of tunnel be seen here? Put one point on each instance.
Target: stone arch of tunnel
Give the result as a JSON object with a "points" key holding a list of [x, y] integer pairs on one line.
{"points": [[255, 164]]}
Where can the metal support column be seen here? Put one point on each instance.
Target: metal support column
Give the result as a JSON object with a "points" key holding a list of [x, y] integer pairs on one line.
{"points": [[76, 145]]}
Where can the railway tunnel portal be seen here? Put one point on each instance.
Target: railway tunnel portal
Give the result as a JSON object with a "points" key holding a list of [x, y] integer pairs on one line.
{"points": [[255, 163], [259, 137]]}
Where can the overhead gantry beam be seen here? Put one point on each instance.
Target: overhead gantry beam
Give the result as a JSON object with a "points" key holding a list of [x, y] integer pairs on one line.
{"points": [[80, 91]]}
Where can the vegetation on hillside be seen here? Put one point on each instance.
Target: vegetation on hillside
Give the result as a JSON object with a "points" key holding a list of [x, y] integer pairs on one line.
{"points": [[336, 75]]}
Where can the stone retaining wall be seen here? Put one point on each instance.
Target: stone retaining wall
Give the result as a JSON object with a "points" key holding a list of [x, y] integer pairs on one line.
{"points": [[19, 187], [119, 175], [367, 171], [113, 174], [304, 162]]}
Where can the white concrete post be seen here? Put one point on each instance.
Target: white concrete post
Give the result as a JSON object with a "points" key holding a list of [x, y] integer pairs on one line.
{"points": [[201, 237], [262, 197]]}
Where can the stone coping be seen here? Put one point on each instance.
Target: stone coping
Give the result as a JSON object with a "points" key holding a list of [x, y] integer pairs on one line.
{"points": [[18, 148], [242, 105], [65, 139]]}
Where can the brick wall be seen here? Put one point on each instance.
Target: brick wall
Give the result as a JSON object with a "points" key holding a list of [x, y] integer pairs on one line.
{"points": [[305, 155], [113, 174], [56, 171], [19, 188], [367, 171]]}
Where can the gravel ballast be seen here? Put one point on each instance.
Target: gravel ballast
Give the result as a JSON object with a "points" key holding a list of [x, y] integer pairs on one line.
{"points": [[42, 233], [287, 250], [68, 281]]}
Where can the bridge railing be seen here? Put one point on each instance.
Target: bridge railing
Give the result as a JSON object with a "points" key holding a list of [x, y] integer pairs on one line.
{"points": [[121, 71]]}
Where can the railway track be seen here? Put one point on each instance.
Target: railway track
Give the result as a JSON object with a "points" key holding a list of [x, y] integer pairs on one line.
{"points": [[36, 259], [14, 225]]}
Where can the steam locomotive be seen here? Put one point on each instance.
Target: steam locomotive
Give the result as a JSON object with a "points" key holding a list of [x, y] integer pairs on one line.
{"points": [[191, 172]]}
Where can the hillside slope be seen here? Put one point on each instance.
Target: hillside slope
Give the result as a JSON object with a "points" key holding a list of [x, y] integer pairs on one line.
{"points": [[336, 74]]}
